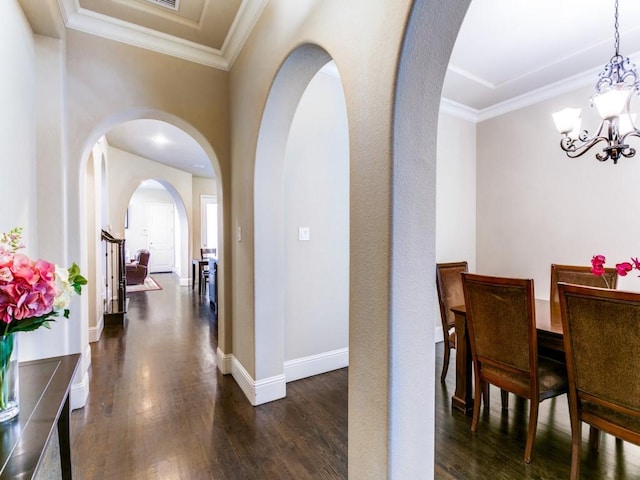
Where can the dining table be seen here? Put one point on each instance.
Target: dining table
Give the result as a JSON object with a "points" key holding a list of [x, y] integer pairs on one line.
{"points": [[201, 263], [549, 328]]}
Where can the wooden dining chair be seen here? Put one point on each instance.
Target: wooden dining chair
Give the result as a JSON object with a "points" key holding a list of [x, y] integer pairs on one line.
{"points": [[578, 275], [504, 346], [449, 286], [205, 254], [601, 334]]}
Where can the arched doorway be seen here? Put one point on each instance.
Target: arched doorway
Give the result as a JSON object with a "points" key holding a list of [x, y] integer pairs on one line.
{"points": [[429, 39], [275, 225], [127, 171]]}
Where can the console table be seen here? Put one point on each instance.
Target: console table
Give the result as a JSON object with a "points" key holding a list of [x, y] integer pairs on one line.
{"points": [[44, 404]]}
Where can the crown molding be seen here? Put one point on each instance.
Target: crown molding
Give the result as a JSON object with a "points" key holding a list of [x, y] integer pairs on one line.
{"points": [[93, 23], [458, 110]]}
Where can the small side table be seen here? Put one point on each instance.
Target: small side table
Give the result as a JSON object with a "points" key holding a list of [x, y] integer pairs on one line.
{"points": [[44, 404]]}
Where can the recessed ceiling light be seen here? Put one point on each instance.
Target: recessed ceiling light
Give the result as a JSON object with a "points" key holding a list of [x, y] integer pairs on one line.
{"points": [[159, 139]]}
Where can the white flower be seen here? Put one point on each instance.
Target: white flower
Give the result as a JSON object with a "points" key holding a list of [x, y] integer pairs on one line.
{"points": [[65, 289], [6, 275]]}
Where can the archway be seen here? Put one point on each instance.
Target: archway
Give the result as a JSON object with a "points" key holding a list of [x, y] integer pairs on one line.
{"points": [[181, 194], [288, 87], [428, 42]]}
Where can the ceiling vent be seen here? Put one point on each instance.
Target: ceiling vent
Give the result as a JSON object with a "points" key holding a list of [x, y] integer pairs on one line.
{"points": [[171, 4]]}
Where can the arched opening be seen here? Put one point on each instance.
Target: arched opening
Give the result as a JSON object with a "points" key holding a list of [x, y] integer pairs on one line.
{"points": [[287, 220], [429, 39], [121, 173]]}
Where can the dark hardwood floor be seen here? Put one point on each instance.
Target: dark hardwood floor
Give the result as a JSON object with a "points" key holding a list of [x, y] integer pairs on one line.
{"points": [[496, 450], [159, 409]]}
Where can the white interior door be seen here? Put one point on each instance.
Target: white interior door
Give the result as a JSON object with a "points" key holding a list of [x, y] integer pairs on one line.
{"points": [[161, 238]]}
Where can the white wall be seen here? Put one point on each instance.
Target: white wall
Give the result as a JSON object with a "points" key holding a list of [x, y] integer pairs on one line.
{"points": [[126, 172], [201, 186], [18, 123], [455, 196], [317, 197], [537, 207], [136, 235]]}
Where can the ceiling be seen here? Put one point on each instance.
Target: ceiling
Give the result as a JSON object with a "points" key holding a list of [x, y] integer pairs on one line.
{"points": [[508, 54]]}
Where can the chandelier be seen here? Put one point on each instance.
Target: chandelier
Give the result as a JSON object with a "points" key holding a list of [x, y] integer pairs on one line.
{"points": [[614, 88]]}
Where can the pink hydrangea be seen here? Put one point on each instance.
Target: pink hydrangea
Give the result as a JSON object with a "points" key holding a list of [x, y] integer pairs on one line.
{"points": [[27, 287]]}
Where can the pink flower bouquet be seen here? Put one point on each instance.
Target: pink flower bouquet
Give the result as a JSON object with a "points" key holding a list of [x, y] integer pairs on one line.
{"points": [[32, 292]]}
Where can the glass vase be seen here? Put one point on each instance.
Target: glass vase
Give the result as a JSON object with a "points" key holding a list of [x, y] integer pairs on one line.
{"points": [[9, 401]]}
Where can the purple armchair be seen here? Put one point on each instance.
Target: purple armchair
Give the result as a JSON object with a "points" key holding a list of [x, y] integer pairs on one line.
{"points": [[137, 269]]}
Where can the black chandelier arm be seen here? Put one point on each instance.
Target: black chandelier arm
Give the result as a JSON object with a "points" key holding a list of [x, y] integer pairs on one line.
{"points": [[632, 133], [572, 150]]}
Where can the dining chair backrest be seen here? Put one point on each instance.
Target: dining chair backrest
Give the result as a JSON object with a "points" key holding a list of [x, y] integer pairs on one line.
{"points": [[501, 321], [206, 253], [450, 294], [449, 287], [578, 275], [601, 334]]}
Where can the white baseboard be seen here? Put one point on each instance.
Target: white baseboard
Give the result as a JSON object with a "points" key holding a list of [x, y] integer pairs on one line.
{"points": [[261, 391], [79, 392], [96, 332], [185, 282], [316, 364], [224, 361]]}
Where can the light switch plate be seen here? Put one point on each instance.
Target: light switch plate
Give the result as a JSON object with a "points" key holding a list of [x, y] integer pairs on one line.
{"points": [[303, 234]]}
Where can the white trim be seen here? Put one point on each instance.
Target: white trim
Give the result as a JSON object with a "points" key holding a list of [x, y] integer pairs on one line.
{"points": [[459, 110], [94, 23], [261, 391], [96, 332], [224, 361], [247, 17], [316, 364], [79, 392], [184, 281]]}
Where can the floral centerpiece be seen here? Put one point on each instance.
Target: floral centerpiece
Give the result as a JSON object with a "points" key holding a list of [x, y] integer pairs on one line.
{"points": [[623, 268], [32, 294]]}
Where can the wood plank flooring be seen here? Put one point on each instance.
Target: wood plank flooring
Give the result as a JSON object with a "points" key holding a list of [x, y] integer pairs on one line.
{"points": [[159, 409]]}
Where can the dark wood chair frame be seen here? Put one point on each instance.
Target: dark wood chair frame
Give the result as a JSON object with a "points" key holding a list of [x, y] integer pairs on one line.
{"points": [[490, 369], [578, 275], [606, 408], [205, 254], [446, 315]]}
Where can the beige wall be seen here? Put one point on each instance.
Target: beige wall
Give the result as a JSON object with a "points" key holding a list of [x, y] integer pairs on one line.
{"points": [[537, 207], [109, 82], [455, 196], [365, 53]]}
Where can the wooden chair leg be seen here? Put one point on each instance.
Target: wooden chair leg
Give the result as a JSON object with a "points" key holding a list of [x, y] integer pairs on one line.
{"points": [[479, 387], [594, 439], [576, 440], [531, 431], [504, 394], [445, 365], [485, 395]]}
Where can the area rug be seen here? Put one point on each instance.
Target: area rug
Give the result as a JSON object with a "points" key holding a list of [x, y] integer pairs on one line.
{"points": [[149, 284]]}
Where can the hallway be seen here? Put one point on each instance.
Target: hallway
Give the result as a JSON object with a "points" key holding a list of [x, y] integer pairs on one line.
{"points": [[159, 409]]}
